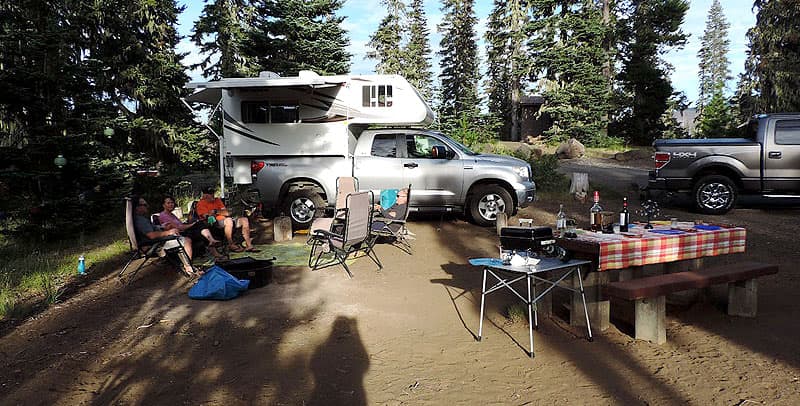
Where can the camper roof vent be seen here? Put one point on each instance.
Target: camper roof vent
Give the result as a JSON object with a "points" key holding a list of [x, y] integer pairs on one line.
{"points": [[265, 74], [307, 74]]}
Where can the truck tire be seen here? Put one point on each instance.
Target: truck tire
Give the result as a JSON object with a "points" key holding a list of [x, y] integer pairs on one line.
{"points": [[302, 205], [714, 194], [487, 201]]}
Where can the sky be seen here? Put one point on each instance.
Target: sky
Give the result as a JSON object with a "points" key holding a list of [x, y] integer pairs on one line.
{"points": [[363, 17]]}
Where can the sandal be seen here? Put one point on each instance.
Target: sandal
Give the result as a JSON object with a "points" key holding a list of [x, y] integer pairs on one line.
{"points": [[235, 248], [251, 249]]}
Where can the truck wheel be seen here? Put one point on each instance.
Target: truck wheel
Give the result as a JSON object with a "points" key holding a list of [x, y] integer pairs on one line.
{"points": [[714, 194], [487, 202], [302, 205]]}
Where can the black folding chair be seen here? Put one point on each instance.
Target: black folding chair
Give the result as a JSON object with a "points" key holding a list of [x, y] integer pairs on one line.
{"points": [[393, 230], [144, 248], [333, 247]]}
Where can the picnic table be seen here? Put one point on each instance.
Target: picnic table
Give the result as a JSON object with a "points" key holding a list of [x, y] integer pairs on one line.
{"points": [[628, 252]]}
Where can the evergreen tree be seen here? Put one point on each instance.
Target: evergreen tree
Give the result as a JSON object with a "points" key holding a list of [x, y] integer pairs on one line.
{"points": [[459, 61], [647, 29], [387, 39], [288, 36], [713, 55], [717, 120], [417, 67], [566, 47], [221, 32], [771, 81], [507, 64]]}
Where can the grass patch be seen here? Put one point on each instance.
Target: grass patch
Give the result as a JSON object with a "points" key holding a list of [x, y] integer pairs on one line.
{"points": [[35, 271], [517, 313]]}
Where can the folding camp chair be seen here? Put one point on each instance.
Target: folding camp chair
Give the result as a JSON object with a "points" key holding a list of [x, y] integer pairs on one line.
{"points": [[345, 185], [352, 236], [144, 248], [393, 230]]}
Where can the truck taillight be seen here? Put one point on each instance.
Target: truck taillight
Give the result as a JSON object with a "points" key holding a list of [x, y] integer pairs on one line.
{"points": [[256, 166], [661, 159]]}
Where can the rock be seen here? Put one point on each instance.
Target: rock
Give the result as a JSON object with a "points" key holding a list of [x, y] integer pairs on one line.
{"points": [[523, 151], [570, 149], [534, 140], [537, 152]]}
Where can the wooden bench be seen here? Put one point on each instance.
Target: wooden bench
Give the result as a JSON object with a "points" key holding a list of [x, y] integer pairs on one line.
{"points": [[649, 294]]}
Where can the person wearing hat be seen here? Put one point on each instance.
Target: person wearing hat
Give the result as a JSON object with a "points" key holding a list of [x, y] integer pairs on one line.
{"points": [[210, 206]]}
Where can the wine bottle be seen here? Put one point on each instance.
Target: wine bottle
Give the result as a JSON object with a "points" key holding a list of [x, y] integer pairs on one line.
{"points": [[596, 214], [624, 216], [561, 219]]}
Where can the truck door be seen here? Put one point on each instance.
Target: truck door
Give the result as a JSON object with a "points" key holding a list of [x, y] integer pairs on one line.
{"points": [[383, 168], [435, 181], [782, 157]]}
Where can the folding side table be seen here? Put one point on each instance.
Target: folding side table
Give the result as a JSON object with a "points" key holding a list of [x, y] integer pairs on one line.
{"points": [[507, 275]]}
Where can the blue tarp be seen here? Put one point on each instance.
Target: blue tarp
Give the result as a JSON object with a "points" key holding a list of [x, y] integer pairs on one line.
{"points": [[216, 284]]}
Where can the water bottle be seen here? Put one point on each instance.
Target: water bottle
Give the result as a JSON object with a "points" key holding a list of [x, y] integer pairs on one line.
{"points": [[561, 219], [81, 265]]}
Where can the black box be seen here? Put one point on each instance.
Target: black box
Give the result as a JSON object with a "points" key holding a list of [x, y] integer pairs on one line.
{"points": [[526, 238], [257, 271]]}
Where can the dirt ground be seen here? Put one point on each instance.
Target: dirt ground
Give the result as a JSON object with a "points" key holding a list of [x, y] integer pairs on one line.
{"points": [[404, 335]]}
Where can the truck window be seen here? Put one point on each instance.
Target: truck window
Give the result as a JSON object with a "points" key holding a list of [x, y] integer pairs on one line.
{"points": [[419, 145], [376, 96], [787, 132], [384, 145], [263, 112]]}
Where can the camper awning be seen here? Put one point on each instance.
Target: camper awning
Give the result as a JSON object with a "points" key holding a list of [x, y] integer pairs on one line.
{"points": [[211, 92]]}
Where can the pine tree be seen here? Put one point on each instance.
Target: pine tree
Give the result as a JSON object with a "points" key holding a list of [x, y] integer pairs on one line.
{"points": [[417, 69], [713, 55], [288, 36], [459, 61], [566, 47], [771, 81], [717, 120], [507, 65], [221, 32], [386, 42], [647, 30]]}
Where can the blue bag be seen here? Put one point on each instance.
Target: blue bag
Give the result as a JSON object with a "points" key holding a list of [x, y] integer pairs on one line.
{"points": [[388, 197], [216, 284]]}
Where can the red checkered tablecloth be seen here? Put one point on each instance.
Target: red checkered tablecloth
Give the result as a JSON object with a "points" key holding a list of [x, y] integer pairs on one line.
{"points": [[653, 248]]}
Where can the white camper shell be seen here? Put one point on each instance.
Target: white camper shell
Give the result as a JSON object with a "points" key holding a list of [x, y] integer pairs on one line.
{"points": [[306, 115]]}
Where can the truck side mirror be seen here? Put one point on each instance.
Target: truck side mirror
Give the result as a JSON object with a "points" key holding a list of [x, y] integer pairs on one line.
{"points": [[440, 152]]}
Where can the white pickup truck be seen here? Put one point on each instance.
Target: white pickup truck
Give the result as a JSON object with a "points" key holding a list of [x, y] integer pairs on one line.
{"points": [[292, 137]]}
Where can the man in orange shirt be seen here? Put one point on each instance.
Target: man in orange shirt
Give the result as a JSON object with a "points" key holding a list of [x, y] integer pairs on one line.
{"points": [[208, 205]]}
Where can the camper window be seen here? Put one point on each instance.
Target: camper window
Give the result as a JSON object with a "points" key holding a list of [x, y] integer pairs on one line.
{"points": [[376, 96], [384, 145], [262, 112]]}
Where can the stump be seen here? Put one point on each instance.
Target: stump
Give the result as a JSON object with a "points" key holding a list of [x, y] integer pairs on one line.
{"points": [[282, 229], [580, 183], [501, 221]]}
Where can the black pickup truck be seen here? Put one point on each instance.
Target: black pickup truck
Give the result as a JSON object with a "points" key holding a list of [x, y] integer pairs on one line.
{"points": [[765, 161]]}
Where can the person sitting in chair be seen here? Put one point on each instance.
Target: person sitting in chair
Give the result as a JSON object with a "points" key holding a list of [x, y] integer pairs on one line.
{"points": [[210, 206], [196, 230], [396, 211], [146, 228]]}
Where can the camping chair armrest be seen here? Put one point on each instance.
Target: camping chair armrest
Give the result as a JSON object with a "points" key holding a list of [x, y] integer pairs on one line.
{"points": [[151, 241], [324, 234], [386, 220]]}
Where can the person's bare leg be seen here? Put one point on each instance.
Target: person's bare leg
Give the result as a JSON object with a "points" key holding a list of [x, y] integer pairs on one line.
{"points": [[245, 224], [207, 233], [187, 260], [229, 230]]}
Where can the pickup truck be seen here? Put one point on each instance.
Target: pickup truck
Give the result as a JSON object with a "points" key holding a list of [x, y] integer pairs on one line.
{"points": [[765, 161], [444, 176]]}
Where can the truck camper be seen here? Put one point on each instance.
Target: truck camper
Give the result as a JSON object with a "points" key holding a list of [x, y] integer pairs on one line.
{"points": [[291, 137]]}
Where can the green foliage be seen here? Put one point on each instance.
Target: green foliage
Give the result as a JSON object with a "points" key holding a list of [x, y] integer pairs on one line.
{"points": [[770, 81], [221, 32], [647, 30], [459, 60], [471, 130], [517, 313], [717, 119], [292, 35], [713, 55], [545, 174], [417, 67], [566, 45], [386, 41]]}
